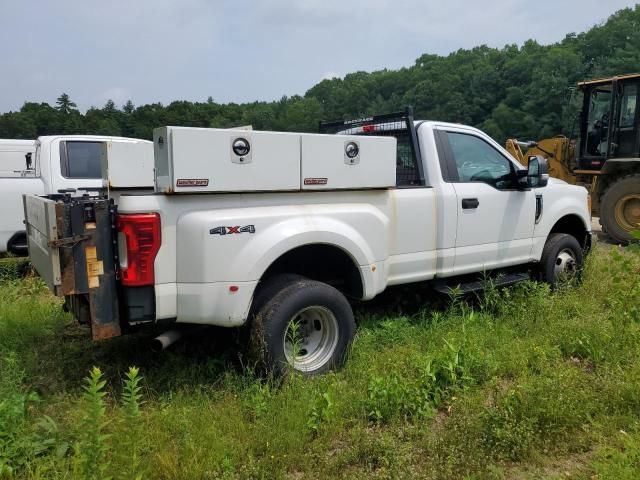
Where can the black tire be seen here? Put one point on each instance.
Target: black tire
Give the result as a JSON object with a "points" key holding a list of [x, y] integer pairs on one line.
{"points": [[17, 244], [323, 316], [555, 256], [615, 193], [265, 291], [270, 287]]}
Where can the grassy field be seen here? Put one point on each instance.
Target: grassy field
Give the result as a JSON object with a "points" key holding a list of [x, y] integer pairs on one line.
{"points": [[520, 383]]}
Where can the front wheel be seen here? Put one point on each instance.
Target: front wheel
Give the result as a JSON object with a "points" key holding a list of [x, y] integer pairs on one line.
{"points": [[562, 259], [306, 326]]}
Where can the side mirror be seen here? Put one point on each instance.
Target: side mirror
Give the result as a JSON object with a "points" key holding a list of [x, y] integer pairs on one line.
{"points": [[538, 172], [29, 160]]}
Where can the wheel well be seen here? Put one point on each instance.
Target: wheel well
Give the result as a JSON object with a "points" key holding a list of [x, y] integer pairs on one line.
{"points": [[573, 225], [321, 262]]}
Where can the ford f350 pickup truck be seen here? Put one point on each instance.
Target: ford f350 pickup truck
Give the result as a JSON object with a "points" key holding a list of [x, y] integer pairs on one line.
{"points": [[278, 230], [60, 162]]}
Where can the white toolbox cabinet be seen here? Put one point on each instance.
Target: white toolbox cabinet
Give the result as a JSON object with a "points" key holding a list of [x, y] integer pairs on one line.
{"points": [[190, 160], [127, 164], [331, 162]]}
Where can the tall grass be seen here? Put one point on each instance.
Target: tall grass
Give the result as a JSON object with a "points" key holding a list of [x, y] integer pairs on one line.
{"points": [[518, 383]]}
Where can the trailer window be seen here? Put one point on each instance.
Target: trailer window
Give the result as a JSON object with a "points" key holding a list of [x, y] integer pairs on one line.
{"points": [[80, 159]]}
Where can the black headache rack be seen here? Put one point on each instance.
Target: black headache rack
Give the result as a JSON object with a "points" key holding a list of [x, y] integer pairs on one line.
{"points": [[401, 125], [72, 245]]}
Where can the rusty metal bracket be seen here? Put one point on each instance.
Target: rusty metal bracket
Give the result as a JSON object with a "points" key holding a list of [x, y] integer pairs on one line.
{"points": [[68, 241]]}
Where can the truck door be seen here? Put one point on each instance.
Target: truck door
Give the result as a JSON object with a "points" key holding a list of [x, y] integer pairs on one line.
{"points": [[627, 124], [75, 164], [495, 220]]}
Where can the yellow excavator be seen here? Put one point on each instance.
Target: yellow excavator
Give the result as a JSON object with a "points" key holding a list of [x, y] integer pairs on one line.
{"points": [[605, 158]]}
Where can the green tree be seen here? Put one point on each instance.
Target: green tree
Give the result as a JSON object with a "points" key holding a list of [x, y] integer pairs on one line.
{"points": [[109, 107], [128, 107], [64, 104], [525, 91]]}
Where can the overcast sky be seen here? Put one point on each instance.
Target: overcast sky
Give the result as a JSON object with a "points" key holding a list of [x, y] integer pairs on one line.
{"points": [[241, 50]]}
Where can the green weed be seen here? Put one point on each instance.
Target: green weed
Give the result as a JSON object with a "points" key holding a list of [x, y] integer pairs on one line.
{"points": [[321, 412], [397, 395], [133, 438], [521, 380], [90, 450], [619, 462]]}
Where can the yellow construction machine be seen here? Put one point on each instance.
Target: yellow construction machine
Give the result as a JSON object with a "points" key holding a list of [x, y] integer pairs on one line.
{"points": [[605, 158]]}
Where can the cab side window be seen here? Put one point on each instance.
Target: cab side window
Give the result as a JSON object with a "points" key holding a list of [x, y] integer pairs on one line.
{"points": [[477, 161], [80, 159]]}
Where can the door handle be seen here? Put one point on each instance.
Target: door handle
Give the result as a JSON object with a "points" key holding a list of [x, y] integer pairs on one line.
{"points": [[470, 203]]}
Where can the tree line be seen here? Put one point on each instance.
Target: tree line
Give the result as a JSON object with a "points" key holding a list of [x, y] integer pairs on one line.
{"points": [[523, 91]]}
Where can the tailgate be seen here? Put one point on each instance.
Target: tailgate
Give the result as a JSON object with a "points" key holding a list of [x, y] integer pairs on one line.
{"points": [[71, 244], [41, 225]]}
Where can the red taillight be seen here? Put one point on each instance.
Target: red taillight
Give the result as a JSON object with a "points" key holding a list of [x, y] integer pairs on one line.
{"points": [[139, 238], [368, 128]]}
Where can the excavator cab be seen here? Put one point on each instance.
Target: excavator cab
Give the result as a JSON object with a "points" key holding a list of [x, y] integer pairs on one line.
{"points": [[610, 121]]}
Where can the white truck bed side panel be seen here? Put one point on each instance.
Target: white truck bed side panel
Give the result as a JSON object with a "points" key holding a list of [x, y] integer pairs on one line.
{"points": [[206, 255], [390, 234], [215, 303], [326, 165], [166, 300]]}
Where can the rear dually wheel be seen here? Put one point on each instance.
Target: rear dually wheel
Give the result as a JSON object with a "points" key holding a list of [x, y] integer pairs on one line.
{"points": [[307, 326]]}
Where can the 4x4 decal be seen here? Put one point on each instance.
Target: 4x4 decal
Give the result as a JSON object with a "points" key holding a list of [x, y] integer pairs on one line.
{"points": [[232, 230]]}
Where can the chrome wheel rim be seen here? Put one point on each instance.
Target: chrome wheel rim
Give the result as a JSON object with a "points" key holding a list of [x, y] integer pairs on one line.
{"points": [[565, 265], [311, 338]]}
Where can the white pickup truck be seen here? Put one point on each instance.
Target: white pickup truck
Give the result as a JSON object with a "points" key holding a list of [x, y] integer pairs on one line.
{"points": [[278, 230], [58, 163]]}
